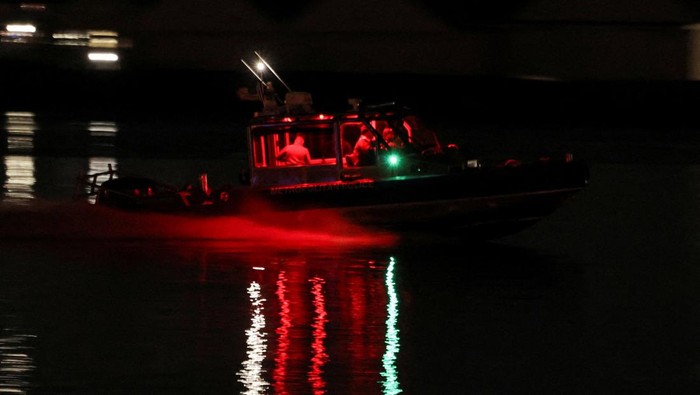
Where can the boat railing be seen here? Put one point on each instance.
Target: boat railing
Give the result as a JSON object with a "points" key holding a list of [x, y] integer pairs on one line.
{"points": [[87, 185]]}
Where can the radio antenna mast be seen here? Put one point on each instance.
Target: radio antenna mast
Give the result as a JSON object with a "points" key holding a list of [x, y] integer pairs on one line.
{"points": [[272, 70], [253, 71]]}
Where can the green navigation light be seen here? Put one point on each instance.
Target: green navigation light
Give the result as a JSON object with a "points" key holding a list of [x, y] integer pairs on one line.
{"points": [[393, 160]]}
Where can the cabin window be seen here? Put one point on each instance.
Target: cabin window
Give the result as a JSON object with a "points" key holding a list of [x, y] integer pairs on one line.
{"points": [[349, 133], [353, 155], [268, 141], [419, 135]]}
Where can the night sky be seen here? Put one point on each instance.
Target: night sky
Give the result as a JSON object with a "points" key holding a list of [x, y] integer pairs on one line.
{"points": [[229, 15]]}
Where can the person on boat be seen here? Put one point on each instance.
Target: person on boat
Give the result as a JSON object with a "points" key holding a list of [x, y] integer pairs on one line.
{"points": [[364, 153], [390, 138], [295, 154]]}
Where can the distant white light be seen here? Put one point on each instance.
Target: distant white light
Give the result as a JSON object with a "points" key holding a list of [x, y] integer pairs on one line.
{"points": [[70, 35], [21, 28], [103, 57], [103, 38], [19, 114]]}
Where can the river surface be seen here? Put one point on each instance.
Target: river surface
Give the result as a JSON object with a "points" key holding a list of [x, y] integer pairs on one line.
{"points": [[602, 297]]}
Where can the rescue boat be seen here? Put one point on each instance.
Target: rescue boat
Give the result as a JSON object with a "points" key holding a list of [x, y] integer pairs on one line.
{"points": [[411, 182]]}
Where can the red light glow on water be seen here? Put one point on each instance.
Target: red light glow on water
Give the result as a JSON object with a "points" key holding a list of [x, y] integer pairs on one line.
{"points": [[278, 230], [320, 357], [283, 342]]}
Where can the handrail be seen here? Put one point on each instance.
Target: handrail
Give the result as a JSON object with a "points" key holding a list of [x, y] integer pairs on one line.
{"points": [[90, 180]]}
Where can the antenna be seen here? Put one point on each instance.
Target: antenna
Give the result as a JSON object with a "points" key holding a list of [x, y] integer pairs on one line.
{"points": [[271, 69], [253, 71]]}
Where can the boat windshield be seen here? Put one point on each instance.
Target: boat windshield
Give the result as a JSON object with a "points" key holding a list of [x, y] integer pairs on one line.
{"points": [[417, 134]]}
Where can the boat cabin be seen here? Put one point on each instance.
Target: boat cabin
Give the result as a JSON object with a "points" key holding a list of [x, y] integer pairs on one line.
{"points": [[331, 141]]}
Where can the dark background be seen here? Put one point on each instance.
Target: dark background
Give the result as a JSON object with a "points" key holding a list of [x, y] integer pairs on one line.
{"points": [[613, 64]]}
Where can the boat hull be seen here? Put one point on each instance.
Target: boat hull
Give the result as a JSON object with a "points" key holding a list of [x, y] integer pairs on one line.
{"points": [[485, 203], [484, 208]]}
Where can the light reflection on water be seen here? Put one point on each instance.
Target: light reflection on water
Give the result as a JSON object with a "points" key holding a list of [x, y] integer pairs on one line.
{"points": [[304, 334], [16, 362], [18, 168], [21, 128], [252, 374], [390, 374], [283, 341], [235, 321], [25, 140], [45, 158], [19, 179], [319, 356]]}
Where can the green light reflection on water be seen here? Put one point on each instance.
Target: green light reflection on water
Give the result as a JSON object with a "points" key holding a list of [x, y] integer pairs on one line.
{"points": [[390, 383]]}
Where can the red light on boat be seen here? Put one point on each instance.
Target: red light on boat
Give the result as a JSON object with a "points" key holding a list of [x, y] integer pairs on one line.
{"points": [[323, 116], [287, 119], [569, 157]]}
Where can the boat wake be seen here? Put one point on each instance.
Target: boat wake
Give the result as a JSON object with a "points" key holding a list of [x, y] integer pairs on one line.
{"points": [[83, 221]]}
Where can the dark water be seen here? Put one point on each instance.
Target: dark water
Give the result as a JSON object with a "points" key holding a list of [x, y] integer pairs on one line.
{"points": [[601, 297]]}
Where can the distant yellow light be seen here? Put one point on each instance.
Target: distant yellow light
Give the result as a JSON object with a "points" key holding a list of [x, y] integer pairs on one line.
{"points": [[103, 57], [21, 28], [102, 33], [103, 42]]}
